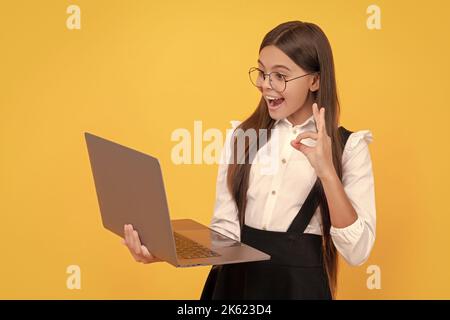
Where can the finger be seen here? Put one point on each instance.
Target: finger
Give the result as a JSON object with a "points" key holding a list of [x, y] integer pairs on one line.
{"points": [[127, 235], [137, 242], [135, 245], [129, 242], [322, 114], [296, 145], [306, 134], [301, 147], [146, 253], [316, 115]]}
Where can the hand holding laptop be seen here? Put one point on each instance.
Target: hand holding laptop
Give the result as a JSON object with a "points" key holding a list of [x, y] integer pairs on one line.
{"points": [[139, 252]]}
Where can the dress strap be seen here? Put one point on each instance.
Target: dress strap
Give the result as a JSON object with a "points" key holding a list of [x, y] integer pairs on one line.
{"points": [[311, 203], [306, 212]]}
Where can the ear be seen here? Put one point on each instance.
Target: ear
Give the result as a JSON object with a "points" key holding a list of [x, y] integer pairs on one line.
{"points": [[315, 83]]}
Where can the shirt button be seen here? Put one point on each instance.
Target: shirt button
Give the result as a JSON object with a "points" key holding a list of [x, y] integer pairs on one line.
{"points": [[273, 192], [264, 228], [283, 160], [294, 131]]}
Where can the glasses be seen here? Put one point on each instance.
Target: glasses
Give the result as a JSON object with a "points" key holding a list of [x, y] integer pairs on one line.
{"points": [[277, 80]]}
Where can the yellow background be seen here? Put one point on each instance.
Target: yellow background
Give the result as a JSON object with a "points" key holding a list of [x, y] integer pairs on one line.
{"points": [[138, 70]]}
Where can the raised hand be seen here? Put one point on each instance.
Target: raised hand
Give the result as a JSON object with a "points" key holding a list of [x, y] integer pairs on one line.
{"points": [[320, 156]]}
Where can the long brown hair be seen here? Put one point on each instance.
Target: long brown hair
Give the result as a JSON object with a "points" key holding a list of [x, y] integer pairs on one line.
{"points": [[307, 45]]}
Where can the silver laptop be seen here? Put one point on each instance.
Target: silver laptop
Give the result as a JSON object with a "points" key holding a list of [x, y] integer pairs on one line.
{"points": [[130, 190]]}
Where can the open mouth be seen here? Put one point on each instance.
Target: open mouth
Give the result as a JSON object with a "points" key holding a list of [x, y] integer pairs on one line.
{"points": [[274, 102]]}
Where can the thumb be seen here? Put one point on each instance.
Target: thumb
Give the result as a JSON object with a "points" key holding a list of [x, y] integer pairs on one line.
{"points": [[300, 146]]}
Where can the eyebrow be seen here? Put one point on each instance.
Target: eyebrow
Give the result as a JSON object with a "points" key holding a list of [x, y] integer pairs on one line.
{"points": [[276, 66]]}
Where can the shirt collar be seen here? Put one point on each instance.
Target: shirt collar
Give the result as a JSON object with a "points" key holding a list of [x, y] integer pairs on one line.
{"points": [[289, 124]]}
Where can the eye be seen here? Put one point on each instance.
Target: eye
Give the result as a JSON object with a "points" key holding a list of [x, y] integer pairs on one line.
{"points": [[279, 76]]}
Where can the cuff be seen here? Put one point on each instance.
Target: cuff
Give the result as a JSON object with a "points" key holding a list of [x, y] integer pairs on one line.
{"points": [[349, 234]]}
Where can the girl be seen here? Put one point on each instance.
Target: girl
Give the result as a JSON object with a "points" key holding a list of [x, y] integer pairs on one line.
{"points": [[320, 199]]}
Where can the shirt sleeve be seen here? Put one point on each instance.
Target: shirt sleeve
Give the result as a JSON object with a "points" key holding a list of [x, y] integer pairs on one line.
{"points": [[225, 218], [355, 241]]}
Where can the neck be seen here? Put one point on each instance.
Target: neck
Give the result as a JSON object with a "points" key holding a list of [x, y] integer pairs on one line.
{"points": [[302, 114]]}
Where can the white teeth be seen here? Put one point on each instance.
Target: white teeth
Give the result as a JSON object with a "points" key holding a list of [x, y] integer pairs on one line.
{"points": [[271, 98]]}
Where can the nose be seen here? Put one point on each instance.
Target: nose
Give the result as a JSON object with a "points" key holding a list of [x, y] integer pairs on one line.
{"points": [[266, 84]]}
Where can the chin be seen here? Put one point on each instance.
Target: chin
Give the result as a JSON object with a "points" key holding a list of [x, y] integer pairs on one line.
{"points": [[275, 117]]}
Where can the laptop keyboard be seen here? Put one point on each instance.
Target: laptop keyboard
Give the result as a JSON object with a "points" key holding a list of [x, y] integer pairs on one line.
{"points": [[189, 249]]}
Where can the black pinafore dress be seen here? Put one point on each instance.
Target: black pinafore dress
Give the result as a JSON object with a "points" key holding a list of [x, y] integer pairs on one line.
{"points": [[295, 270]]}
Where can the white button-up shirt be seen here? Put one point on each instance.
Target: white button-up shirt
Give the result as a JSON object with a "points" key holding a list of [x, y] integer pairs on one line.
{"points": [[277, 190]]}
